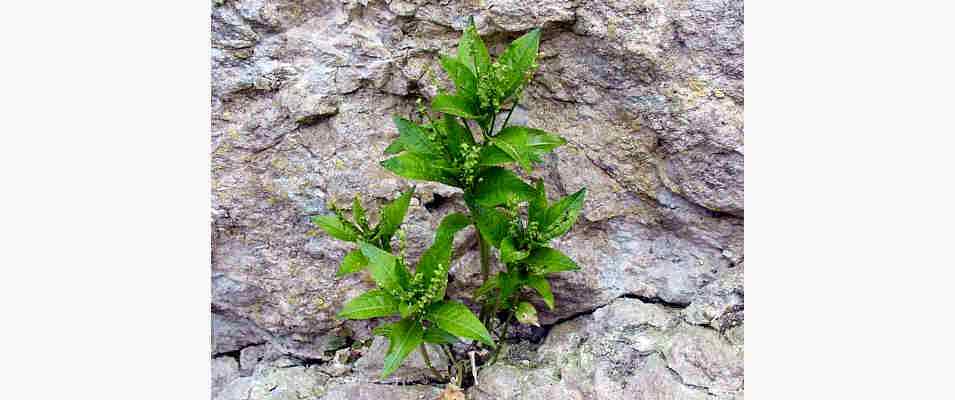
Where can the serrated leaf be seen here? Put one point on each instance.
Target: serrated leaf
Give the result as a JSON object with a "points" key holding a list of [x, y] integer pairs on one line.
{"points": [[336, 228], [383, 267], [439, 336], [491, 223], [404, 337], [489, 285], [457, 135], [526, 314], [457, 319], [519, 56], [371, 304], [359, 212], [384, 329], [537, 205], [415, 166], [395, 147], [416, 140], [472, 52], [525, 144], [392, 215], [492, 155], [461, 106], [545, 260], [439, 254], [496, 185], [518, 154], [462, 76], [509, 251], [540, 284], [404, 309], [353, 262], [562, 215]]}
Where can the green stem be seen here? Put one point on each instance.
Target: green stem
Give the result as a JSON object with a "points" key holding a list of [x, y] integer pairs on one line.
{"points": [[427, 361], [485, 259]]}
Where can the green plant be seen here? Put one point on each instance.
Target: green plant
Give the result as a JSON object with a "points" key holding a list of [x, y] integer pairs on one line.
{"points": [[359, 231], [523, 236], [508, 213]]}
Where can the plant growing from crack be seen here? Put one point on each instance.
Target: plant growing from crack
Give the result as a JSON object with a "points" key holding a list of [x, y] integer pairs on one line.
{"points": [[508, 213]]}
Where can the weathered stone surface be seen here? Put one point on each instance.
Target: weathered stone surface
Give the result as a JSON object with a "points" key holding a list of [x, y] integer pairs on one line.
{"points": [[626, 350], [231, 335], [287, 379], [649, 94], [372, 391], [224, 371], [277, 381], [414, 369]]}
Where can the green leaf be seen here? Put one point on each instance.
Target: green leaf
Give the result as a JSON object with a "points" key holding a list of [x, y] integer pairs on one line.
{"points": [[537, 205], [353, 262], [540, 284], [472, 52], [519, 58], [372, 304], [509, 283], [392, 215], [404, 309], [437, 335], [456, 134], [545, 260], [359, 212], [489, 285], [415, 139], [384, 329], [496, 185], [404, 337], [525, 144], [383, 267], [491, 223], [457, 319], [492, 155], [526, 314], [415, 166], [461, 106], [461, 75], [395, 147], [334, 226], [510, 252], [514, 152], [540, 142], [440, 252], [562, 215]]}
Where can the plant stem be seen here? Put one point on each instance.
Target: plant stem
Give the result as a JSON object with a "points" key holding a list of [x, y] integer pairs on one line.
{"points": [[501, 338], [427, 361], [485, 259], [508, 118]]}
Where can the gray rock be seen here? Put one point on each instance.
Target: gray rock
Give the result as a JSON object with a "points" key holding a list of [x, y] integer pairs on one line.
{"points": [[626, 350], [414, 369], [277, 381], [251, 356], [372, 391], [648, 93], [224, 371], [718, 301], [285, 379], [230, 334]]}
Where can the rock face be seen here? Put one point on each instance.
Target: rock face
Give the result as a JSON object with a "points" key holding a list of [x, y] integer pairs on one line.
{"points": [[625, 350], [648, 93]]}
